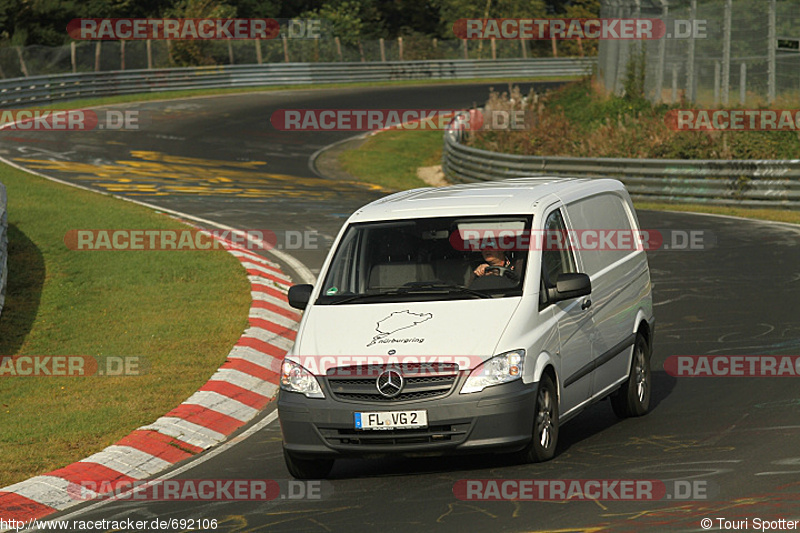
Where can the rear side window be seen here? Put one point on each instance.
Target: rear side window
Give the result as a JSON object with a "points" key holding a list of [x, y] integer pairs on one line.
{"points": [[594, 218]]}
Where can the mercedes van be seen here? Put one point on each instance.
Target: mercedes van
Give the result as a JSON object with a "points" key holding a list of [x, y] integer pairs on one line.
{"points": [[470, 318]]}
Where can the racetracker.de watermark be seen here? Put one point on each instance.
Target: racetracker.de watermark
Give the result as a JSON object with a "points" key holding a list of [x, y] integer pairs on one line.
{"points": [[583, 489], [399, 119], [733, 119], [190, 239], [70, 120], [201, 490], [747, 366], [584, 29], [477, 239], [72, 365], [372, 366], [182, 29]]}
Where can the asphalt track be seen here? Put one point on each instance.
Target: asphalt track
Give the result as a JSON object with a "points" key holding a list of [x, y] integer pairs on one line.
{"points": [[219, 159]]}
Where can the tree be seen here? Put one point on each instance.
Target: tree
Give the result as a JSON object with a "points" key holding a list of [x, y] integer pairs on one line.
{"points": [[406, 18], [45, 21], [452, 10], [197, 52], [257, 8], [344, 18], [581, 9]]}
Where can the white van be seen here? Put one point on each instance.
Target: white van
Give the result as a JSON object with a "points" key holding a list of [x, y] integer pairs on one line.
{"points": [[469, 318]]}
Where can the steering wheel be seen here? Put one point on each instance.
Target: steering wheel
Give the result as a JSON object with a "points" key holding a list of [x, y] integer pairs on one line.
{"points": [[502, 271]]}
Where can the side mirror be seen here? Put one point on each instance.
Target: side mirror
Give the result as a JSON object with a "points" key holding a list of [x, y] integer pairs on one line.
{"points": [[299, 295], [570, 286]]}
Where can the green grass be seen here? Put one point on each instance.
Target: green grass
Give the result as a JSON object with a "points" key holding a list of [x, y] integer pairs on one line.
{"points": [[180, 310], [775, 215], [391, 158]]}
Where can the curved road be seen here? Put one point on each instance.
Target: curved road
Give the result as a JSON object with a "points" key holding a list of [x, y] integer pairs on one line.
{"points": [[219, 159]]}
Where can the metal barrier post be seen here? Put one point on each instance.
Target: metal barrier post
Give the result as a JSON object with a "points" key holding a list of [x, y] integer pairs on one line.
{"points": [[771, 44], [742, 82], [726, 52], [674, 98], [690, 86], [662, 56]]}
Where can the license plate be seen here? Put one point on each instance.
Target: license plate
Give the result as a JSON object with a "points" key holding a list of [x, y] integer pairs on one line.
{"points": [[392, 420]]}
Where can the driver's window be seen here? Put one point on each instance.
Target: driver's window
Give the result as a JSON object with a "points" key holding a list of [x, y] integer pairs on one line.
{"points": [[343, 277], [557, 255]]}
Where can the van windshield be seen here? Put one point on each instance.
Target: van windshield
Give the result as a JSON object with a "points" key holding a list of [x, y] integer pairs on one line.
{"points": [[427, 259]]}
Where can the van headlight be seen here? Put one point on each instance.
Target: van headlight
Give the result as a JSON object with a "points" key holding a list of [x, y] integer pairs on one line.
{"points": [[295, 378], [499, 369]]}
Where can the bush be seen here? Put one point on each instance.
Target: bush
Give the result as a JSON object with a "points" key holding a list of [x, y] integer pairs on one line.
{"points": [[579, 120]]}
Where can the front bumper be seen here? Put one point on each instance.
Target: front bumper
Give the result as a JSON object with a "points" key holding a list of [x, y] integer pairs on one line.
{"points": [[497, 418]]}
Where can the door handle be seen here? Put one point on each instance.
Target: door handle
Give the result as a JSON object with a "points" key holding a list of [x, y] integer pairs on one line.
{"points": [[587, 303]]}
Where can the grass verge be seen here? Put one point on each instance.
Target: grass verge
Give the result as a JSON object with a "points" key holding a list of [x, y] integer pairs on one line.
{"points": [[181, 311], [774, 215], [391, 159], [579, 119]]}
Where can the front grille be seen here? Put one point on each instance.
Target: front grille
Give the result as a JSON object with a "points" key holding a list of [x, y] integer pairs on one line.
{"points": [[422, 395], [452, 433], [420, 383]]}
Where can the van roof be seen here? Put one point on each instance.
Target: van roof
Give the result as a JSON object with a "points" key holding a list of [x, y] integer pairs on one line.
{"points": [[512, 196]]}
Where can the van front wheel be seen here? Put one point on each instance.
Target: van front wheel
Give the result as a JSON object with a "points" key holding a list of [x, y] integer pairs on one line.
{"points": [[307, 468], [542, 446], [633, 398]]}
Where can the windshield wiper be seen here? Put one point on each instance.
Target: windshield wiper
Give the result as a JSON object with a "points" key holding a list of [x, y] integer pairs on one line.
{"points": [[422, 286], [414, 288], [366, 296]]}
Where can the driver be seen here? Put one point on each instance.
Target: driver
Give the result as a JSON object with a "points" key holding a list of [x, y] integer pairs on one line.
{"points": [[493, 258]]}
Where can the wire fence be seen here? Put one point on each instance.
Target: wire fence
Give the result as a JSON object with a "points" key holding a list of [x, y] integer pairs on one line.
{"points": [[715, 52], [37, 90], [99, 56]]}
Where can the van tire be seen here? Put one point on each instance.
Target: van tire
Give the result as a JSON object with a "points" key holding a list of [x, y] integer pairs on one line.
{"points": [[542, 446], [633, 398], [307, 468]]}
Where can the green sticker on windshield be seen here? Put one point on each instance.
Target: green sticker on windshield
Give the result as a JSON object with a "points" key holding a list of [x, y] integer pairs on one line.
{"points": [[331, 291]]}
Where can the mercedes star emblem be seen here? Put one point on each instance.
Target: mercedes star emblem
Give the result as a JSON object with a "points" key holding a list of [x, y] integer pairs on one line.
{"points": [[389, 383]]}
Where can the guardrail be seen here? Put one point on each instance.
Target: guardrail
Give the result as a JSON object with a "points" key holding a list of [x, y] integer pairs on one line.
{"points": [[40, 89], [751, 183], [3, 245]]}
